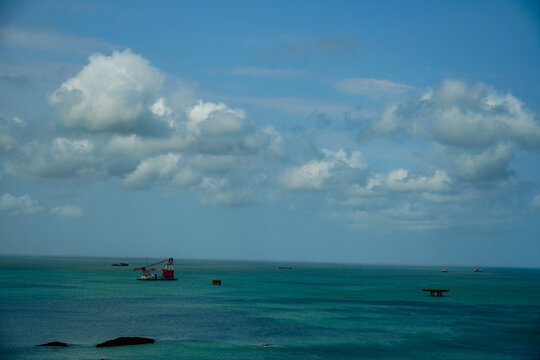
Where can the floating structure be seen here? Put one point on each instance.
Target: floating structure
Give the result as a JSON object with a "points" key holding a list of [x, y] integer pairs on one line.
{"points": [[216, 282], [121, 264], [444, 270], [476, 269], [167, 273], [285, 267], [436, 292]]}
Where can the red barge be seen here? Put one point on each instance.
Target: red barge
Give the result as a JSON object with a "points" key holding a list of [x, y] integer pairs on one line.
{"points": [[167, 273]]}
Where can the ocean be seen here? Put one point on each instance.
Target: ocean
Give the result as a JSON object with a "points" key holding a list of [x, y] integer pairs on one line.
{"points": [[311, 311]]}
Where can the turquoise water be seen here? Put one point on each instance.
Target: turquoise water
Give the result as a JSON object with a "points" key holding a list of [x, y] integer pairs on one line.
{"points": [[313, 311]]}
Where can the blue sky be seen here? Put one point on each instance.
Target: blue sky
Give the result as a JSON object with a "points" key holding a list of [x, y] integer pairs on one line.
{"points": [[366, 132]]}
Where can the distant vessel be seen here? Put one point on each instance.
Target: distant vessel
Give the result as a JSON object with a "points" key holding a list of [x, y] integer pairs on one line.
{"points": [[121, 264], [285, 267], [476, 269], [444, 270]]}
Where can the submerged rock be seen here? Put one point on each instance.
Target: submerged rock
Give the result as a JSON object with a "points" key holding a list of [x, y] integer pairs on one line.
{"points": [[122, 341], [55, 343]]}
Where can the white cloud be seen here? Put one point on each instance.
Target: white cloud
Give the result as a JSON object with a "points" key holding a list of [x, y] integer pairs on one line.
{"points": [[67, 211], [456, 114], [474, 127], [276, 144], [159, 108], [214, 119], [110, 93], [23, 205], [310, 176], [213, 150], [491, 163], [9, 126], [119, 93], [355, 160], [401, 201], [62, 158], [315, 174], [203, 174], [69, 147], [373, 88], [159, 168], [400, 180], [135, 145]]}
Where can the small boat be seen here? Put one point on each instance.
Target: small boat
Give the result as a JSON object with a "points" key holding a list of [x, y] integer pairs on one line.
{"points": [[285, 267], [121, 264], [476, 269], [444, 270]]}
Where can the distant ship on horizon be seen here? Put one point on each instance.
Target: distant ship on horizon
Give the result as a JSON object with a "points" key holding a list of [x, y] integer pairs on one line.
{"points": [[476, 269]]}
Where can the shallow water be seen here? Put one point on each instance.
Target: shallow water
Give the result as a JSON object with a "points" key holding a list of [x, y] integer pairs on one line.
{"points": [[313, 311]]}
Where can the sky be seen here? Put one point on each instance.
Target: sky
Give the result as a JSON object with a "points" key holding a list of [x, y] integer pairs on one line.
{"points": [[372, 132]]}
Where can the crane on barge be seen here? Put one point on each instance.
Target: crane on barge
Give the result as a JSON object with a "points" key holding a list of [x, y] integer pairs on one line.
{"points": [[167, 273]]}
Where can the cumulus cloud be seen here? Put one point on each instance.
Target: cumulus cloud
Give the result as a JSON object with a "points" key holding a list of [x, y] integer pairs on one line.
{"points": [[468, 116], [23, 205], [67, 211], [315, 174], [216, 128], [475, 127], [159, 168], [491, 163], [130, 127], [116, 92], [310, 176], [65, 146], [405, 200], [9, 126], [400, 180], [205, 147], [61, 158], [206, 175], [214, 118], [276, 144]]}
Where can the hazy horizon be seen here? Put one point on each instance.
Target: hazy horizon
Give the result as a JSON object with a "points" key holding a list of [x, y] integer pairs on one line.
{"points": [[178, 260]]}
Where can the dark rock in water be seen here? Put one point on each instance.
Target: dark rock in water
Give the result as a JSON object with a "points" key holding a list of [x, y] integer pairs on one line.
{"points": [[55, 343], [122, 341]]}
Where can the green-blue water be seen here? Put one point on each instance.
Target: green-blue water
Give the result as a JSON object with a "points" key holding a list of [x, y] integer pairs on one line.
{"points": [[313, 311]]}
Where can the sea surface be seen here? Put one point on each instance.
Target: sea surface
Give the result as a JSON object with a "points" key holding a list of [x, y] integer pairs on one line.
{"points": [[311, 311]]}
